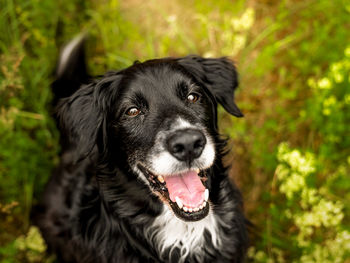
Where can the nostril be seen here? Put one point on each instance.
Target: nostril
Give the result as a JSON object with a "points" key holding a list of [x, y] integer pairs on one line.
{"points": [[198, 144], [178, 148]]}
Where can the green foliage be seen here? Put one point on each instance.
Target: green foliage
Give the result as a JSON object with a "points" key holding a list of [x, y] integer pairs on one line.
{"points": [[291, 151], [32, 245], [329, 109], [311, 190], [309, 212], [28, 137]]}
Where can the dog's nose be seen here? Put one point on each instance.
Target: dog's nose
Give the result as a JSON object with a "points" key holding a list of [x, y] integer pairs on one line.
{"points": [[186, 145]]}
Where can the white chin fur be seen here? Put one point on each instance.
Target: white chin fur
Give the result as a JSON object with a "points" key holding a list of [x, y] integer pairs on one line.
{"points": [[170, 231]]}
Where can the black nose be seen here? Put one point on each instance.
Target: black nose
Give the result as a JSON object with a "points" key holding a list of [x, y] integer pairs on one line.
{"points": [[186, 145]]}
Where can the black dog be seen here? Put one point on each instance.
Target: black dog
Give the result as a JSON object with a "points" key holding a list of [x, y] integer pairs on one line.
{"points": [[141, 177]]}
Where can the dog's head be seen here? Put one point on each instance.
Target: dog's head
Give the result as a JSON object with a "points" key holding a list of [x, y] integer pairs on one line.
{"points": [[156, 121]]}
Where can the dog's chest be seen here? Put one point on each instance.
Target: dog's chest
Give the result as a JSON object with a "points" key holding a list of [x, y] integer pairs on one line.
{"points": [[169, 232]]}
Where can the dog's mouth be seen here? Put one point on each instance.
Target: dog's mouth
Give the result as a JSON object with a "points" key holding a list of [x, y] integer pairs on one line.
{"points": [[185, 192]]}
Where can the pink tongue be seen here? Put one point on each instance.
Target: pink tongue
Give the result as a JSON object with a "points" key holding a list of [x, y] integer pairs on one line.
{"points": [[187, 186]]}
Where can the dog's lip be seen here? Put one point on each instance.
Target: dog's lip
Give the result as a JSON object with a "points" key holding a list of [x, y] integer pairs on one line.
{"points": [[197, 170], [161, 177], [187, 213]]}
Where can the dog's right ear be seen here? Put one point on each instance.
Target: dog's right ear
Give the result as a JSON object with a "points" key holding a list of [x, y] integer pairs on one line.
{"points": [[82, 116]]}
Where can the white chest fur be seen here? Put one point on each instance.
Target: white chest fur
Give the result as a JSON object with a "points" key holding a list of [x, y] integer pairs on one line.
{"points": [[168, 231]]}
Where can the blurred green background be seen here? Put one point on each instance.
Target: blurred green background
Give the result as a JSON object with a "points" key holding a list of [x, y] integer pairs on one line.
{"points": [[290, 154]]}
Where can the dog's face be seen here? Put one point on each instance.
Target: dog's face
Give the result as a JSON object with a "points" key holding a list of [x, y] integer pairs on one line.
{"points": [[157, 121], [164, 122]]}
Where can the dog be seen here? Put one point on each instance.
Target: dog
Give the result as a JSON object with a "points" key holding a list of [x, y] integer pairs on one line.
{"points": [[141, 176]]}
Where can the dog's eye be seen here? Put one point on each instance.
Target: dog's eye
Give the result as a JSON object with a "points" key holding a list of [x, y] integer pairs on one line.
{"points": [[192, 97], [132, 112]]}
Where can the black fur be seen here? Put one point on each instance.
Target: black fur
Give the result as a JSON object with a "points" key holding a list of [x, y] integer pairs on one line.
{"points": [[95, 209]]}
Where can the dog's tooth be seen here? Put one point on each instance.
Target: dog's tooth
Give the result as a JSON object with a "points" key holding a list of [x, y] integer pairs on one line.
{"points": [[206, 194], [196, 209], [197, 170], [185, 209], [160, 178], [204, 204], [190, 210], [179, 203]]}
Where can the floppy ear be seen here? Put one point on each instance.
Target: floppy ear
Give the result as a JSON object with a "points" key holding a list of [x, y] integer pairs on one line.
{"points": [[82, 117], [219, 76]]}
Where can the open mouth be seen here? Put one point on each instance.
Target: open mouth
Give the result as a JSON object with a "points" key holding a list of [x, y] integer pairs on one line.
{"points": [[185, 192]]}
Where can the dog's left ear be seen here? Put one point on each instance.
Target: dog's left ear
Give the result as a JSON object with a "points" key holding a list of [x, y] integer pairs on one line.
{"points": [[219, 76]]}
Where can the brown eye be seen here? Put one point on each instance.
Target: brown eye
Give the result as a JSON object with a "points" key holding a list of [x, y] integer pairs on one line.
{"points": [[132, 112], [192, 98]]}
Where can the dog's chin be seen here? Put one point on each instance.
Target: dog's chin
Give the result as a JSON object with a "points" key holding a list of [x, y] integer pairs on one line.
{"points": [[189, 205]]}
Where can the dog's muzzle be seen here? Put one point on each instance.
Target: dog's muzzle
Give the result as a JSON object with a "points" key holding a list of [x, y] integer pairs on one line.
{"points": [[177, 169]]}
